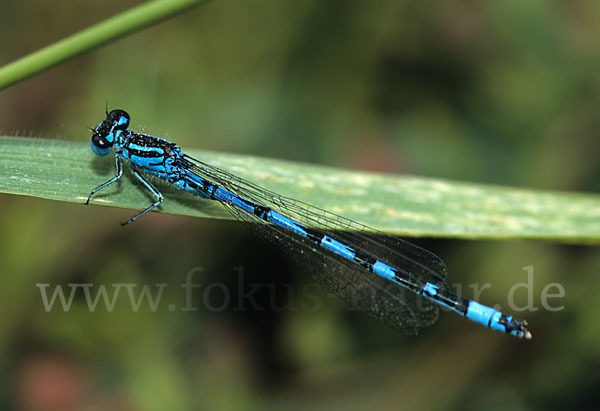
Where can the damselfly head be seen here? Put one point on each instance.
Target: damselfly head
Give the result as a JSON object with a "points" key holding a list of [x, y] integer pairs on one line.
{"points": [[119, 119], [104, 135]]}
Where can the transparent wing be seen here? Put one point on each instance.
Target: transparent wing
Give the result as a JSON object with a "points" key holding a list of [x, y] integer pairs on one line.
{"points": [[365, 291]]}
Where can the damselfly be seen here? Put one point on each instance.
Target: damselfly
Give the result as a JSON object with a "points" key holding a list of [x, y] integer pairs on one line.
{"points": [[390, 279]]}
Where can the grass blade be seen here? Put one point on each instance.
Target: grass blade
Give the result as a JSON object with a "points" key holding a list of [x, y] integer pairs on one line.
{"points": [[406, 205], [92, 37]]}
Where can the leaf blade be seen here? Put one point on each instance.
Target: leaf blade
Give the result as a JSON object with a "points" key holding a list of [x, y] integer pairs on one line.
{"points": [[403, 205], [101, 33]]}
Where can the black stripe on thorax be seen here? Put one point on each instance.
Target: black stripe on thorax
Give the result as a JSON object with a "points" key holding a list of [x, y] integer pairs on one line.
{"points": [[156, 147]]}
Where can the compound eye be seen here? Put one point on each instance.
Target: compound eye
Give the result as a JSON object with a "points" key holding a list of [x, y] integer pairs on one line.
{"points": [[100, 145]]}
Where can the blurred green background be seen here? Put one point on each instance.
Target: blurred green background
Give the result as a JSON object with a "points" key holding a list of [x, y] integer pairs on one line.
{"points": [[491, 92]]}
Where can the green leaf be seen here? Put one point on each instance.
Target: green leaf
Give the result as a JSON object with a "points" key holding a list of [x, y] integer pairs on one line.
{"points": [[406, 205], [111, 29]]}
